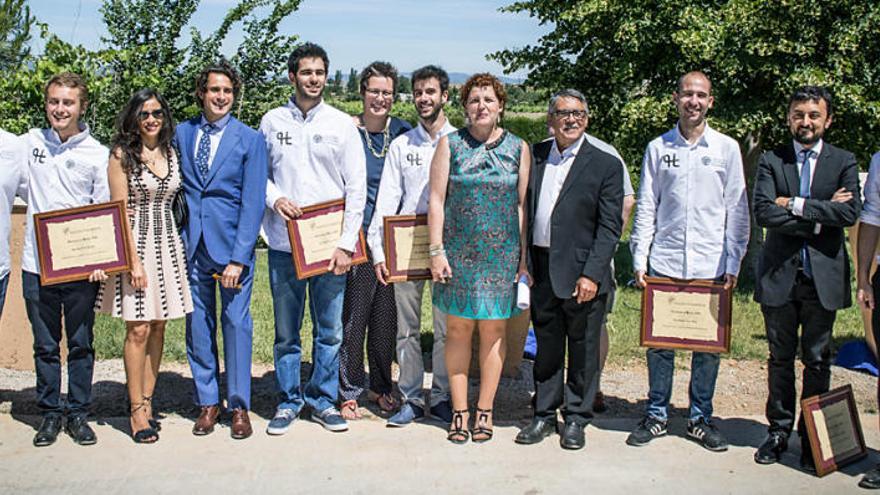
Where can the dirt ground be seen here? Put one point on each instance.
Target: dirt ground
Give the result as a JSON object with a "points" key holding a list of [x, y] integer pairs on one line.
{"points": [[741, 390]]}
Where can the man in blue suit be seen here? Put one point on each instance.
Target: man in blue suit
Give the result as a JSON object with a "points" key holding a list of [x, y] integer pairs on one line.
{"points": [[224, 169]]}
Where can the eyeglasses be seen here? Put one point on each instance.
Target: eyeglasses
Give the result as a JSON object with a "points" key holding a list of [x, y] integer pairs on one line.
{"points": [[375, 93], [576, 114], [156, 114]]}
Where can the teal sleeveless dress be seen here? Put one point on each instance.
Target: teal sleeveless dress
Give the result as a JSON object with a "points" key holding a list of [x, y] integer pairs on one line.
{"points": [[481, 228]]}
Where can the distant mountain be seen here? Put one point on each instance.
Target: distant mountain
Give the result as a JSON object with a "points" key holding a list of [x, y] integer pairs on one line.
{"points": [[456, 78]]}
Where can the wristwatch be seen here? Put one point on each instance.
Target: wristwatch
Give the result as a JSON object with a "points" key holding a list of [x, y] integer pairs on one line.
{"points": [[790, 205]]}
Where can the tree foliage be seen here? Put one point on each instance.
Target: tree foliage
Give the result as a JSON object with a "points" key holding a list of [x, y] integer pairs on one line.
{"points": [[626, 56], [149, 50], [15, 32]]}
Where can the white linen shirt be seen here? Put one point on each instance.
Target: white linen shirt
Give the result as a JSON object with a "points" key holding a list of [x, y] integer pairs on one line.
{"points": [[692, 218], [403, 188], [556, 170], [214, 137], [312, 159], [871, 206], [61, 175], [13, 175], [797, 207]]}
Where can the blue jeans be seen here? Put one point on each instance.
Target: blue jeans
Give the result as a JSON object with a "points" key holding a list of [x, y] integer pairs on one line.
{"points": [[46, 305], [4, 283], [661, 368], [326, 294]]}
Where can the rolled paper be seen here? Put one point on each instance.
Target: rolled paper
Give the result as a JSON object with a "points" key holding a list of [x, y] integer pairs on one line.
{"points": [[522, 293]]}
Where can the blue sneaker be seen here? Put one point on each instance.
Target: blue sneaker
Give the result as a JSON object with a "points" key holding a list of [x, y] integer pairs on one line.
{"points": [[281, 422], [330, 419], [406, 415], [442, 411]]}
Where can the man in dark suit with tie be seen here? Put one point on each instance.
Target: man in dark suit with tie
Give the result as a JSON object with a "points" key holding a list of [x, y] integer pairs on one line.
{"points": [[575, 196], [806, 193], [224, 168]]}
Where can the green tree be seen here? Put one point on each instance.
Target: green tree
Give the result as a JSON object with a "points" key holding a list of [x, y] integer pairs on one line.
{"points": [[336, 83], [15, 32], [404, 85], [351, 87], [626, 56]]}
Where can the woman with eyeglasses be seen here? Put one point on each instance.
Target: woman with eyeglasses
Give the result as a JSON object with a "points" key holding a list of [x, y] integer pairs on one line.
{"points": [[369, 311], [476, 223], [143, 171]]}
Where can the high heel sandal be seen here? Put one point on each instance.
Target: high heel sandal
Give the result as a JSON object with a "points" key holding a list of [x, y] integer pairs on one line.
{"points": [[154, 423], [458, 432], [147, 435], [480, 427]]}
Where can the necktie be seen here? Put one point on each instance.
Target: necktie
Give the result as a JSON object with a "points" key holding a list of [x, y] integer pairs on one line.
{"points": [[805, 193], [203, 152]]}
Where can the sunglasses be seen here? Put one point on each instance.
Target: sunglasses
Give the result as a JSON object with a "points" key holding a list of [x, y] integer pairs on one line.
{"points": [[156, 114]]}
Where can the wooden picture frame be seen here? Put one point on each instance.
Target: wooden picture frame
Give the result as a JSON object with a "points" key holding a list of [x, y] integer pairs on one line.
{"points": [[73, 242], [834, 429], [315, 234], [414, 229], [689, 315]]}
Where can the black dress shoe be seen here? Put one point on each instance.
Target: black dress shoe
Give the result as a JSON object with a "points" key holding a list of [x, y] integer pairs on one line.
{"points": [[79, 430], [871, 480], [48, 431], [537, 430], [771, 450], [572, 436]]}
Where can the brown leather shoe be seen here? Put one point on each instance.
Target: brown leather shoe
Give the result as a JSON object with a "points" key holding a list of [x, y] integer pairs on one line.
{"points": [[241, 424], [207, 419]]}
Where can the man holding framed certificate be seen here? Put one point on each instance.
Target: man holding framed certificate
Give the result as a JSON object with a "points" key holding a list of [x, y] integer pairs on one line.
{"points": [[403, 190], [315, 156], [806, 193], [67, 168], [692, 223]]}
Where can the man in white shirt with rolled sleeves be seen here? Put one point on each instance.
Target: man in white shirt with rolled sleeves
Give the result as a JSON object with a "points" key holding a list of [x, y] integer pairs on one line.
{"points": [[315, 155], [67, 167], [13, 181], [403, 190], [692, 222]]}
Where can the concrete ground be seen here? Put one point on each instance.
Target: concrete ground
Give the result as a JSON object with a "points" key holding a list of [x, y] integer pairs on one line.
{"points": [[371, 458]]}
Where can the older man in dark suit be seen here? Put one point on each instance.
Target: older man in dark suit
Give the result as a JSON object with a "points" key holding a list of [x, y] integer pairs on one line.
{"points": [[806, 192], [575, 197]]}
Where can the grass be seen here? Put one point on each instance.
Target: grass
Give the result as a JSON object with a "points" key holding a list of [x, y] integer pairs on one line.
{"points": [[748, 340]]}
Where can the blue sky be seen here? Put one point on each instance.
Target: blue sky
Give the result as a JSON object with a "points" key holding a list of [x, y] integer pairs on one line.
{"points": [[457, 34]]}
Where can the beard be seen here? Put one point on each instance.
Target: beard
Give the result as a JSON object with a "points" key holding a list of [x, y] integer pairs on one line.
{"points": [[808, 136]]}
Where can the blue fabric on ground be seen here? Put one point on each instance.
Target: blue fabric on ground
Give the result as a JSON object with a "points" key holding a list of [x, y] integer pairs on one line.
{"points": [[531, 347], [856, 355]]}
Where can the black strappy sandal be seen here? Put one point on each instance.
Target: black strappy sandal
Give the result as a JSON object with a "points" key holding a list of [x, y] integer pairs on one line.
{"points": [[147, 435], [479, 428], [154, 423], [458, 432]]}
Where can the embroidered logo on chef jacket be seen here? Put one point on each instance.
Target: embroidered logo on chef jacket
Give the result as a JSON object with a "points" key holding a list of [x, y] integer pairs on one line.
{"points": [[670, 160], [39, 155], [414, 159], [284, 138]]}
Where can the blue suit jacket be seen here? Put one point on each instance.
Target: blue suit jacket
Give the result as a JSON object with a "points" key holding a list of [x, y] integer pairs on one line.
{"points": [[226, 209]]}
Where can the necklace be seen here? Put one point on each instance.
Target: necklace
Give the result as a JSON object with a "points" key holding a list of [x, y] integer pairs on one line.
{"points": [[386, 133]]}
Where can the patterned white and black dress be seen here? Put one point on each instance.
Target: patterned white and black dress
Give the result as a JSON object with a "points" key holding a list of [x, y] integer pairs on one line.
{"points": [[159, 248]]}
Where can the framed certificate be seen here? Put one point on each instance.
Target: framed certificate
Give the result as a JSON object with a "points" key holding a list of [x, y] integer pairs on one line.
{"points": [[834, 429], [692, 315], [314, 236], [74, 242], [406, 248]]}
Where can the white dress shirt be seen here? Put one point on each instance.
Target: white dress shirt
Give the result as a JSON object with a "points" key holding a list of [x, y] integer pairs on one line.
{"points": [[798, 207], [403, 189], [13, 174], [555, 171], [871, 206], [692, 216], [312, 159], [61, 175], [215, 136]]}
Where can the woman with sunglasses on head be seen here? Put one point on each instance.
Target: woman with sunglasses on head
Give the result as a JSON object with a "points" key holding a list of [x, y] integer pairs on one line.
{"points": [[143, 171]]}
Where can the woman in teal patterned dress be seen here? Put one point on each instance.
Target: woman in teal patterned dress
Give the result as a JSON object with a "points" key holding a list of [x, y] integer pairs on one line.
{"points": [[476, 216]]}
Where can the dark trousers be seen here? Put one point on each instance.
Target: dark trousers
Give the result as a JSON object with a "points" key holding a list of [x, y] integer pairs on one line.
{"points": [[560, 322], [803, 309], [45, 306], [4, 283], [875, 319]]}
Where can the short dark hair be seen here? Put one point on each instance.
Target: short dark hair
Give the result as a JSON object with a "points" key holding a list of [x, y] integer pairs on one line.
{"points": [[223, 67], [429, 71], [307, 50], [378, 69], [811, 93]]}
